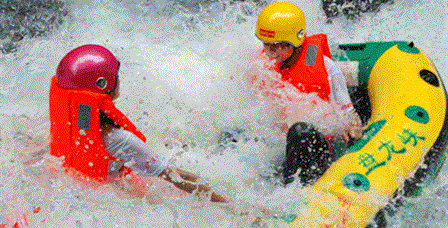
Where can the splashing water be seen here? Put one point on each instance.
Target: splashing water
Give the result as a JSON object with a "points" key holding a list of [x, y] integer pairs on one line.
{"points": [[183, 73]]}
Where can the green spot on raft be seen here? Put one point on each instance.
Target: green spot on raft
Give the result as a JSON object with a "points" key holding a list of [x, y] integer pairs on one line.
{"points": [[356, 182], [417, 114], [408, 48], [289, 217]]}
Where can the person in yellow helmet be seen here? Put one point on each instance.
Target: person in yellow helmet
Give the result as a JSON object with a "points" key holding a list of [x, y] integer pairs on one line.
{"points": [[305, 62]]}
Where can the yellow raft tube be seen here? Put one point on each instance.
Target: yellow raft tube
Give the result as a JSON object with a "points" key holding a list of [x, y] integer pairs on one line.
{"points": [[404, 145]]}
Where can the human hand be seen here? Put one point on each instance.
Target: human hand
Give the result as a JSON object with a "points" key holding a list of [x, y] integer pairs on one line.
{"points": [[186, 181], [353, 128]]}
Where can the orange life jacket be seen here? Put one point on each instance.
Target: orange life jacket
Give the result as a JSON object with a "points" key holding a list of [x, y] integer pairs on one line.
{"points": [[309, 73], [76, 133]]}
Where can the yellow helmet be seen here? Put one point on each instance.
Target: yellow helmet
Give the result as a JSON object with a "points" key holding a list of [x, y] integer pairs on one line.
{"points": [[281, 22]]}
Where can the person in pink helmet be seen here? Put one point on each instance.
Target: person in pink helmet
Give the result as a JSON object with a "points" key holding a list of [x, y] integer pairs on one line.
{"points": [[94, 138]]}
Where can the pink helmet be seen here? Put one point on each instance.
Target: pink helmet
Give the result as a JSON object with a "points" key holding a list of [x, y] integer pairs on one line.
{"points": [[91, 67]]}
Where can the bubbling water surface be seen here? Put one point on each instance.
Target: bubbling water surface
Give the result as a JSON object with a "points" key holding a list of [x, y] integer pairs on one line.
{"points": [[183, 73]]}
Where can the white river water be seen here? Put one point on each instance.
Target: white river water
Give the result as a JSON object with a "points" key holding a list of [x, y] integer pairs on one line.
{"points": [[182, 74]]}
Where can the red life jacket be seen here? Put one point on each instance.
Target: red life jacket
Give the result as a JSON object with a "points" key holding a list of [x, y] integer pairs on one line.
{"points": [[309, 73], [76, 133]]}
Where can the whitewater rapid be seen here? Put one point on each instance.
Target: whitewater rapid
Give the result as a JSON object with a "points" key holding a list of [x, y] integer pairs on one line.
{"points": [[182, 73]]}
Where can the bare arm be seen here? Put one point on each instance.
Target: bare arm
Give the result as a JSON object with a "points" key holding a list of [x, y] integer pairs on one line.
{"points": [[340, 95]]}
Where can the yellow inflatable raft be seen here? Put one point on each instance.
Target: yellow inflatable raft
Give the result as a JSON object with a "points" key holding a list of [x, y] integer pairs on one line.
{"points": [[403, 147]]}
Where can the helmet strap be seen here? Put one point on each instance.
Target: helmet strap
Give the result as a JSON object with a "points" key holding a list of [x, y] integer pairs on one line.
{"points": [[116, 80]]}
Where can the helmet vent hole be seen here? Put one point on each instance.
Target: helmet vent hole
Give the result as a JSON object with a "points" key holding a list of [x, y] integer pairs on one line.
{"points": [[101, 83], [301, 33]]}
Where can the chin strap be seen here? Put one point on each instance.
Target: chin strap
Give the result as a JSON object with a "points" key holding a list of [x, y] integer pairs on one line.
{"points": [[288, 60]]}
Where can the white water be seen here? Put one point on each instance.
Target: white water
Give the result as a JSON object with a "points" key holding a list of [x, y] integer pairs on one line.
{"points": [[183, 83]]}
